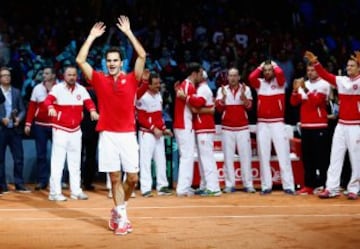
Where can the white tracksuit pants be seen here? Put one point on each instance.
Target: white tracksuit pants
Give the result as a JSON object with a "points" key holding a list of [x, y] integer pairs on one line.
{"points": [[65, 146], [186, 142], [152, 148], [207, 164], [239, 140], [276, 133], [346, 137]]}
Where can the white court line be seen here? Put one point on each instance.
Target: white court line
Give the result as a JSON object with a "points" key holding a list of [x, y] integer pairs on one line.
{"points": [[180, 207], [260, 216]]}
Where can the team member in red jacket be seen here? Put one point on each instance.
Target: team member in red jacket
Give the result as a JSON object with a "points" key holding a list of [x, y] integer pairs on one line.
{"points": [[38, 121], [270, 125], [65, 104], [313, 95], [151, 138], [347, 131], [116, 93], [202, 104], [233, 100], [183, 129]]}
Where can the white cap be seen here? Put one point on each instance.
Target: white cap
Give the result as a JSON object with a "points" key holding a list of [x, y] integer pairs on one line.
{"points": [[205, 76]]}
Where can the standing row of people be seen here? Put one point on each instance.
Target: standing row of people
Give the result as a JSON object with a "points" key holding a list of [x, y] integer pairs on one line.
{"points": [[233, 101]]}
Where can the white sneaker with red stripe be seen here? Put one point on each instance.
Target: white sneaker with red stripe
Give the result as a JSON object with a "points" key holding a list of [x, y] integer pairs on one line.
{"points": [[122, 227], [114, 223]]}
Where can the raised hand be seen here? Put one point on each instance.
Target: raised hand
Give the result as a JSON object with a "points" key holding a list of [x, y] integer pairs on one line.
{"points": [[262, 66], [123, 24], [274, 64], [145, 75], [298, 83], [310, 57], [98, 29], [356, 56]]}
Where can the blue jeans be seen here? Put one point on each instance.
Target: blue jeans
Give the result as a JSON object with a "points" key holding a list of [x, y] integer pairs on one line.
{"points": [[42, 135], [12, 138]]}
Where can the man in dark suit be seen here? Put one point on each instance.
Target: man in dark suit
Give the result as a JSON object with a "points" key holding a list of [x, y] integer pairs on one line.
{"points": [[12, 112]]}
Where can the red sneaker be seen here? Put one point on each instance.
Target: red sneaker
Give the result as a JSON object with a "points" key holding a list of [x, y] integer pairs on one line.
{"points": [[352, 196], [129, 227], [305, 191], [328, 194]]}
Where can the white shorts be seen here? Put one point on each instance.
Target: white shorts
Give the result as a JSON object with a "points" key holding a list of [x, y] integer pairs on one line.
{"points": [[118, 151]]}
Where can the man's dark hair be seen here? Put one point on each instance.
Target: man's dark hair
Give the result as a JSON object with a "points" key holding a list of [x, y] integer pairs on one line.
{"points": [[193, 67], [52, 69], [153, 75], [69, 66], [113, 50]]}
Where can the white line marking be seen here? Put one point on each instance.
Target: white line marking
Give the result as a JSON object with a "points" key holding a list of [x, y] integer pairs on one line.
{"points": [[180, 207], [261, 216]]}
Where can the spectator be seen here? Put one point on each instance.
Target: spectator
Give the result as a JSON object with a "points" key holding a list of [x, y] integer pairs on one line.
{"points": [[12, 113]]}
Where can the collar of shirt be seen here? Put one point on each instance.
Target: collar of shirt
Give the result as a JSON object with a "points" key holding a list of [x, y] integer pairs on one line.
{"points": [[5, 91]]}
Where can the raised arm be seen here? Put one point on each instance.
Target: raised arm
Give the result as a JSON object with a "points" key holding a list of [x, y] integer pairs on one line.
{"points": [[331, 78], [279, 74], [124, 25], [97, 30], [254, 76]]}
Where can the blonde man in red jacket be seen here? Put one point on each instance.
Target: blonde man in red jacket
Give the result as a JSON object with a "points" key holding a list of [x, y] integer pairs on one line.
{"points": [[269, 81], [65, 103], [313, 95]]}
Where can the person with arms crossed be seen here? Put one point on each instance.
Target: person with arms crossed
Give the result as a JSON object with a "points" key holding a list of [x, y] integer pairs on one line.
{"points": [[233, 100], [347, 131], [38, 121], [270, 125], [313, 95], [65, 104], [116, 94]]}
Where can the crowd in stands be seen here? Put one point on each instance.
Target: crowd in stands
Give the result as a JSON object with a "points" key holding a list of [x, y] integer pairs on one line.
{"points": [[219, 34]]}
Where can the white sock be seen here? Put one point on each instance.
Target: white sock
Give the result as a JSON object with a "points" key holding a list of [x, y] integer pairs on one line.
{"points": [[121, 210]]}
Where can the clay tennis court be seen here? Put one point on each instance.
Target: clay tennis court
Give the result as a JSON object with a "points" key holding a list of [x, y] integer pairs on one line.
{"points": [[237, 220]]}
